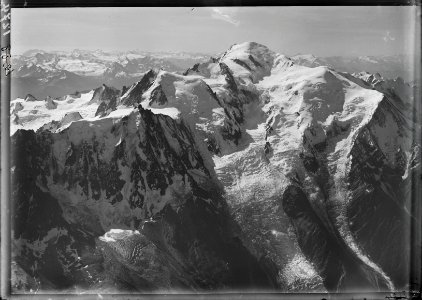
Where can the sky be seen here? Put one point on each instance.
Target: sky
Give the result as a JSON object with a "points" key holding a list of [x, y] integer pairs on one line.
{"points": [[322, 31]]}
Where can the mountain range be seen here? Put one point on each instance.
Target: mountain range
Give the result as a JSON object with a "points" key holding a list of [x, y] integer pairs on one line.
{"points": [[390, 67], [248, 171], [58, 73]]}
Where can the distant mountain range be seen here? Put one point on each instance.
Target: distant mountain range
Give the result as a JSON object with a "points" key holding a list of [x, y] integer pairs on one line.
{"points": [[57, 73], [389, 67]]}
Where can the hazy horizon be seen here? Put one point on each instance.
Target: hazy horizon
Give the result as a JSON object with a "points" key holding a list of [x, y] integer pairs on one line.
{"points": [[193, 53], [321, 31]]}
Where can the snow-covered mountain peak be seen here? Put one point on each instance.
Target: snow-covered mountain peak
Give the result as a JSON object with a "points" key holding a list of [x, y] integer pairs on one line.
{"points": [[240, 49], [249, 61], [189, 95]]}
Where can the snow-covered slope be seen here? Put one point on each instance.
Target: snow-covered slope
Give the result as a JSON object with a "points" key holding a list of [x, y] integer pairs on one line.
{"points": [[34, 114], [388, 66], [314, 165], [314, 119]]}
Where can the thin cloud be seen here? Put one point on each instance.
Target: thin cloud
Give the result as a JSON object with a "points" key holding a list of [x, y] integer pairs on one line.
{"points": [[225, 14], [388, 37]]}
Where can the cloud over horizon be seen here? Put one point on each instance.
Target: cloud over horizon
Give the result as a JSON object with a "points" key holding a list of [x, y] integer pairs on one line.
{"points": [[322, 31], [227, 14]]}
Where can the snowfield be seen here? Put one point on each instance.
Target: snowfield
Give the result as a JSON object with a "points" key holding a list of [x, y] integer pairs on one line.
{"points": [[35, 114]]}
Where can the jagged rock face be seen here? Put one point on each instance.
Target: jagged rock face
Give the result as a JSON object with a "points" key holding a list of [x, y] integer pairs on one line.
{"points": [[380, 180], [124, 90], [16, 107], [15, 119], [29, 97], [134, 95], [192, 70], [107, 98], [328, 253], [204, 69], [50, 103], [70, 117], [44, 242], [234, 100], [193, 101], [158, 97], [119, 174]]}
